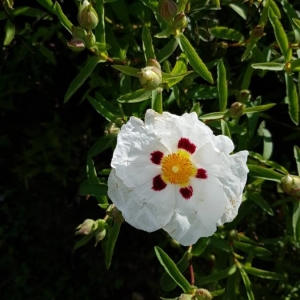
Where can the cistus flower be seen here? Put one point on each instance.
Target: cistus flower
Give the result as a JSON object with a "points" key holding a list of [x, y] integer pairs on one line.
{"points": [[172, 172]]}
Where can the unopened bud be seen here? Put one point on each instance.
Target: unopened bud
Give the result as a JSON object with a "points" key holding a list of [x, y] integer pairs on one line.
{"points": [[114, 213], [90, 40], [76, 45], [203, 294], [291, 185], [236, 109], [86, 227], [180, 21], [79, 32], [112, 130], [185, 297], [150, 78], [153, 63], [257, 32], [87, 16], [99, 235], [167, 9]]}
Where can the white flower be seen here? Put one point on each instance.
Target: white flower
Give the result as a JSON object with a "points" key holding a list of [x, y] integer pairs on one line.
{"points": [[172, 172]]}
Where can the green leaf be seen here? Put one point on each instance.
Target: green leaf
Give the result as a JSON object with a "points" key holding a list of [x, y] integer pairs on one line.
{"points": [[10, 31], [172, 79], [167, 50], [102, 144], [291, 14], [258, 108], [217, 276], [157, 101], [165, 33], [263, 274], [112, 239], [292, 98], [104, 108], [136, 96], [200, 246], [91, 171], [166, 282], [226, 33], [267, 140], [127, 70], [222, 85], [203, 92], [62, 17], [100, 28], [82, 76], [213, 116], [172, 270], [147, 44], [264, 173], [93, 189], [48, 4], [83, 241], [296, 221], [225, 129], [193, 58], [247, 284], [217, 242], [280, 36], [261, 202], [295, 65], [297, 157], [257, 251], [272, 66], [297, 22]]}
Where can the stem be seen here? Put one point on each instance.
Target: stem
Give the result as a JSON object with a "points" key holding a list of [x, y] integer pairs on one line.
{"points": [[100, 29]]}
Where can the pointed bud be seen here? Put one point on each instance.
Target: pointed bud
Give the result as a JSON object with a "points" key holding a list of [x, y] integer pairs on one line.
{"points": [[185, 297], [291, 185], [150, 78], [90, 40], [86, 227], [236, 109], [76, 45], [111, 130], [153, 63], [203, 294], [87, 16], [114, 213], [180, 21], [167, 9], [99, 235]]}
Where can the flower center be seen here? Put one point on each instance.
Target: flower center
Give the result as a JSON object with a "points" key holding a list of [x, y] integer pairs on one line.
{"points": [[177, 168]]}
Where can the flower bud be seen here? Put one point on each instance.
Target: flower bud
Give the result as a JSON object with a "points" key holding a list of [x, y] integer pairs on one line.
{"points": [[87, 16], [78, 32], [236, 109], [185, 297], [203, 294], [86, 227], [76, 45], [291, 185], [90, 40], [180, 21], [99, 235], [114, 213], [153, 63], [150, 78], [167, 9], [111, 130]]}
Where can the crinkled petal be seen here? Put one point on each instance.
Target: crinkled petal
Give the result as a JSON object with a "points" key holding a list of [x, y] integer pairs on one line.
{"points": [[197, 217], [142, 207], [132, 155]]}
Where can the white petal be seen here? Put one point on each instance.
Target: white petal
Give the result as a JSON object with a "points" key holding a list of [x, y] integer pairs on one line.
{"points": [[142, 207], [197, 217]]}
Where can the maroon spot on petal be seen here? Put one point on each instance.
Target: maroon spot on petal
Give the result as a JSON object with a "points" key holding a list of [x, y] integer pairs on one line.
{"points": [[185, 144], [201, 173], [186, 192], [156, 157], [158, 184]]}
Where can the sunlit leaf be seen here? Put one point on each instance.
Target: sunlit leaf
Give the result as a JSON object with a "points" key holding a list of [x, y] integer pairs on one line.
{"points": [[127, 70], [222, 85], [226, 33], [247, 284], [292, 98], [297, 157], [264, 173], [263, 273], [136, 96], [272, 66], [113, 234]]}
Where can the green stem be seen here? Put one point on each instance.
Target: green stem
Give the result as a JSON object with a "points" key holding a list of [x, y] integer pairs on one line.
{"points": [[100, 29]]}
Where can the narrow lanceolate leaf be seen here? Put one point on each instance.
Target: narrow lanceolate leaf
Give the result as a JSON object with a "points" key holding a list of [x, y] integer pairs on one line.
{"points": [[193, 58], [263, 273], [93, 189], [247, 284], [91, 171], [280, 36], [292, 98], [213, 116], [157, 102], [264, 173], [112, 239], [256, 250], [48, 4], [267, 140], [297, 22], [226, 33], [260, 201], [172, 270], [147, 44], [225, 128], [136, 96], [82, 76], [200, 246], [102, 144], [258, 108], [272, 66], [10, 31], [166, 282], [295, 65], [217, 276], [291, 14], [167, 50], [62, 17], [296, 221], [297, 157], [222, 85], [127, 70], [100, 29]]}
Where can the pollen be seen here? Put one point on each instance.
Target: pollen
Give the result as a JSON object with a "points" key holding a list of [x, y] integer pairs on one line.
{"points": [[177, 168]]}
